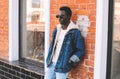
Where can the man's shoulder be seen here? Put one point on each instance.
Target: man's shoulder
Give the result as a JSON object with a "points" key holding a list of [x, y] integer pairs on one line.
{"points": [[76, 32]]}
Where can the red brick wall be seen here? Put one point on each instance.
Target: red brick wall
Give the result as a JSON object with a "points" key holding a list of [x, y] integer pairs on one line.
{"points": [[4, 29], [79, 7]]}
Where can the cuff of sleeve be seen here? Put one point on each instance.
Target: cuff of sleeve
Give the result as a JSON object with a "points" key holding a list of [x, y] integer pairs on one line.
{"points": [[75, 59]]}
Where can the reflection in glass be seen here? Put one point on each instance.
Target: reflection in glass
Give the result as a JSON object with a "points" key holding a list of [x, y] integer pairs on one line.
{"points": [[35, 3], [115, 70], [34, 33]]}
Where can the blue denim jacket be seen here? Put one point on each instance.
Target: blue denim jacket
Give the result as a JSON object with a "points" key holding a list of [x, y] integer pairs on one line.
{"points": [[73, 44]]}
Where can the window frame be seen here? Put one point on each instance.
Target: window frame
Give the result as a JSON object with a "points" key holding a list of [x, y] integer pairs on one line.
{"points": [[13, 30], [110, 37], [101, 40], [22, 21], [14, 23]]}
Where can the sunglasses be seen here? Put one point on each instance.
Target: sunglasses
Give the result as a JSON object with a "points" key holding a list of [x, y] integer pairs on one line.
{"points": [[59, 16]]}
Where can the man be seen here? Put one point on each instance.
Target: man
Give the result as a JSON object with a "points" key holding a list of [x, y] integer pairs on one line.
{"points": [[66, 48]]}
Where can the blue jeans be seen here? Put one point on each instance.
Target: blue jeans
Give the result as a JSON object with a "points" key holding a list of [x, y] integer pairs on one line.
{"points": [[51, 74]]}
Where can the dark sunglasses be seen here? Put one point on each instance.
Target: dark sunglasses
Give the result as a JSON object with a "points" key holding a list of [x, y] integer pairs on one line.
{"points": [[59, 16]]}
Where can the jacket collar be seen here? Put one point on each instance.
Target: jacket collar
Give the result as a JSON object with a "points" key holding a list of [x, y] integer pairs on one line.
{"points": [[70, 26]]}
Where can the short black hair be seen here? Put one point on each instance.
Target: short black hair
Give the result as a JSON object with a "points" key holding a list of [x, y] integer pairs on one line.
{"points": [[67, 10]]}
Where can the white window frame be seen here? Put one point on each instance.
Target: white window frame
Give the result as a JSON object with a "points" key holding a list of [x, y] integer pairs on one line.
{"points": [[13, 30], [101, 39]]}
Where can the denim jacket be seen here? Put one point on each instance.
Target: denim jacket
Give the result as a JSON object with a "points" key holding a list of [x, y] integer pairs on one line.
{"points": [[73, 44]]}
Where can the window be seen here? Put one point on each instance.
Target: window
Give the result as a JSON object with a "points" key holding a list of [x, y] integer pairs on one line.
{"points": [[36, 3], [113, 68], [32, 32], [35, 17]]}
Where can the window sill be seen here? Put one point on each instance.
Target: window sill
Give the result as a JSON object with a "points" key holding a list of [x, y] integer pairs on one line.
{"points": [[30, 67], [38, 69]]}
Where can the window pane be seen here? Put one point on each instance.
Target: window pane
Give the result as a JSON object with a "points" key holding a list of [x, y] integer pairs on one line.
{"points": [[32, 33], [35, 3], [115, 70]]}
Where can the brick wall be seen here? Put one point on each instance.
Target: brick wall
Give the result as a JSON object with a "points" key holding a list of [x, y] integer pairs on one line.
{"points": [[79, 7], [13, 71], [4, 29]]}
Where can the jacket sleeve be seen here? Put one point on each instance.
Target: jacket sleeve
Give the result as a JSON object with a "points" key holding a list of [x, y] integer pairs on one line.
{"points": [[79, 47]]}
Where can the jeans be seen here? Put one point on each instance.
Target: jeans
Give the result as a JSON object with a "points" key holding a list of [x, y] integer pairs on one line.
{"points": [[51, 74]]}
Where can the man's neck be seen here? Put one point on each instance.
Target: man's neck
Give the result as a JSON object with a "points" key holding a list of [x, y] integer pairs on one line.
{"points": [[64, 27]]}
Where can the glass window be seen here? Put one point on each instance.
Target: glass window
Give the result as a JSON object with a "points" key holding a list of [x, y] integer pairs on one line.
{"points": [[35, 17], [36, 3], [115, 63], [32, 32]]}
